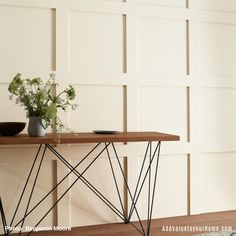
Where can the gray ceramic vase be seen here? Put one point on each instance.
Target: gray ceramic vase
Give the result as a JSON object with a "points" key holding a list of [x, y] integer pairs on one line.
{"points": [[35, 127]]}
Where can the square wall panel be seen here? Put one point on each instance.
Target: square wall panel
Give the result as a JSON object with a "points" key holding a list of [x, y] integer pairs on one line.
{"points": [[86, 207], [96, 42], [163, 109], [169, 3], [10, 111], [15, 174], [171, 189], [27, 39], [162, 46], [217, 49], [100, 107], [217, 5], [217, 184], [217, 115]]}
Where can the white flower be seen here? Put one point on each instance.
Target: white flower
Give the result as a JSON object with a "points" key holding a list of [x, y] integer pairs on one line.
{"points": [[74, 106]]}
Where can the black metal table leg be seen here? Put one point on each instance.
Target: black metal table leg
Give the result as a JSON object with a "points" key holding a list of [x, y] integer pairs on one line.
{"points": [[4, 222], [148, 174], [33, 167], [25, 186], [145, 175]]}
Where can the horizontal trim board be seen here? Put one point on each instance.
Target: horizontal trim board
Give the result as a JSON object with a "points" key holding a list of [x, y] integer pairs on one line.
{"points": [[99, 6], [165, 12], [217, 17], [29, 3]]}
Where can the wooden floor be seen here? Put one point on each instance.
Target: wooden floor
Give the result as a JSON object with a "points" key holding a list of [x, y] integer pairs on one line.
{"points": [[208, 220]]}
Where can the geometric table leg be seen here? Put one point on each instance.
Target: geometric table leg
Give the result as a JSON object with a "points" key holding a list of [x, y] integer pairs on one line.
{"points": [[10, 227], [148, 175], [4, 223]]}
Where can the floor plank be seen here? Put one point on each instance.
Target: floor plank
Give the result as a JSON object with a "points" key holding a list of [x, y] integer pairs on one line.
{"points": [[220, 219]]}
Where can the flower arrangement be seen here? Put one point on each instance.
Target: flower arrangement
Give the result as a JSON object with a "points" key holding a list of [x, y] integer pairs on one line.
{"points": [[39, 99]]}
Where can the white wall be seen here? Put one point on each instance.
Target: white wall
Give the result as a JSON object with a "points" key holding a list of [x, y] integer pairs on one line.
{"points": [[164, 65]]}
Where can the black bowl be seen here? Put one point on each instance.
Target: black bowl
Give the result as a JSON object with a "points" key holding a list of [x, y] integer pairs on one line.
{"points": [[11, 128]]}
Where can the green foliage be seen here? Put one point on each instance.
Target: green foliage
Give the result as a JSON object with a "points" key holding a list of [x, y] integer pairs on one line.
{"points": [[39, 100]]}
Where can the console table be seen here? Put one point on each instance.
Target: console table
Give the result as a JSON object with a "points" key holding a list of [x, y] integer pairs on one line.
{"points": [[104, 144]]}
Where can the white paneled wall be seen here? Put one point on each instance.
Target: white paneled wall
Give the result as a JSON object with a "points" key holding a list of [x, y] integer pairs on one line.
{"points": [[154, 57], [28, 39], [216, 104], [164, 65], [99, 35]]}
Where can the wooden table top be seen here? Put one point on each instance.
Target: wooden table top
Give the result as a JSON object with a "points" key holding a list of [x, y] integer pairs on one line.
{"points": [[70, 138]]}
